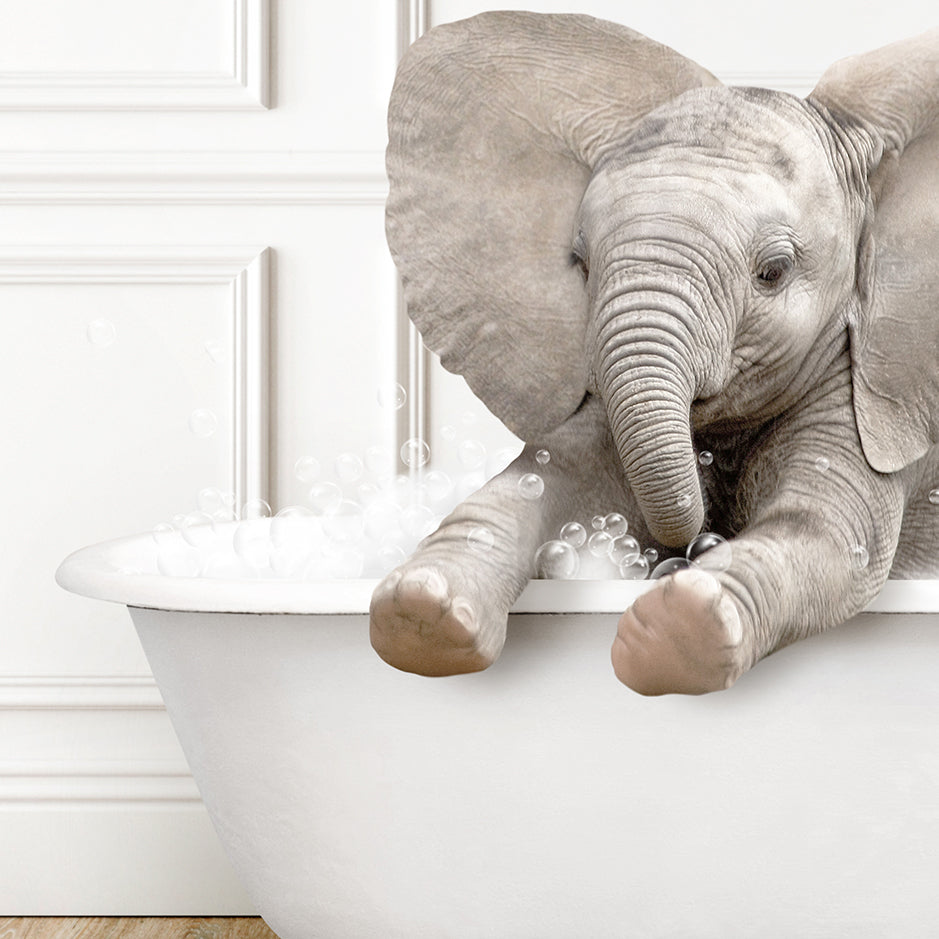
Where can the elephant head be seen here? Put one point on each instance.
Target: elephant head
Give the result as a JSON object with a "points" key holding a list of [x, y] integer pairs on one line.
{"points": [[576, 210]]}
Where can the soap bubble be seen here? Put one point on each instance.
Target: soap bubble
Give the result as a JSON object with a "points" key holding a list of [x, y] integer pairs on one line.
{"points": [[822, 464], [709, 551], [637, 570], [418, 521], [599, 544], [615, 524], [705, 458], [448, 432], [178, 560], [164, 533], [683, 501], [306, 469], [255, 508], [574, 534], [211, 501], [468, 418], [198, 529], [651, 555], [389, 556], [934, 496], [345, 523], [556, 560], [367, 493], [392, 396], [860, 557], [530, 486], [203, 422], [439, 486], [252, 543], [415, 452], [101, 333], [543, 457], [625, 550], [597, 522], [480, 539], [349, 468], [471, 454], [669, 566], [325, 497]]}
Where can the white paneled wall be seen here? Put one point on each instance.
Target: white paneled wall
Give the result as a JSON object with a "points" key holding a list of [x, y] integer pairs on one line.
{"points": [[192, 201]]}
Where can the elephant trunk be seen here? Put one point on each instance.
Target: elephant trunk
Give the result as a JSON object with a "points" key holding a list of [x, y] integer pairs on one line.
{"points": [[646, 376]]}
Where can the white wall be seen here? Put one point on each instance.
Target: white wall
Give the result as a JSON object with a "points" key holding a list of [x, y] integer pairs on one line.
{"points": [[180, 173]]}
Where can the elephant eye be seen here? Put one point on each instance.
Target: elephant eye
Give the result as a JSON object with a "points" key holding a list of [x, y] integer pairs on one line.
{"points": [[773, 272], [581, 263]]}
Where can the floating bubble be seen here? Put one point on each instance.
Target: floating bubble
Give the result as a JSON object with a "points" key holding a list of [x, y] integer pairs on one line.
{"points": [[101, 333], [203, 422], [439, 486], [530, 486], [822, 464], [625, 550], [705, 458], [543, 457], [597, 522], [448, 432], [294, 531], [480, 539], [934, 496], [651, 555], [349, 468], [574, 534], [637, 570], [164, 533], [683, 501], [860, 557], [415, 452], [615, 524], [198, 529], [709, 551], [306, 469], [392, 396], [251, 542], [471, 454], [468, 418], [599, 544], [367, 492], [211, 501], [178, 560], [669, 566], [345, 523], [556, 560], [389, 556], [255, 508], [214, 350], [418, 521], [325, 497]]}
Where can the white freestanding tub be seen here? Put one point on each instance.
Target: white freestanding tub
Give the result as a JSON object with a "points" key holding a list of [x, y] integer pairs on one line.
{"points": [[542, 798]]}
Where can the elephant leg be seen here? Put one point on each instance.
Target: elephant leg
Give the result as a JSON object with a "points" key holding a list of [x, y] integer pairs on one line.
{"points": [[818, 545], [444, 611]]}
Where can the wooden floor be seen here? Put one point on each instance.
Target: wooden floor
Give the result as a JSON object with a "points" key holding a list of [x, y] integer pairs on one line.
{"points": [[133, 927]]}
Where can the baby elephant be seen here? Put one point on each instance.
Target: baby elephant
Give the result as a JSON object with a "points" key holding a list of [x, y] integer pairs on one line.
{"points": [[631, 263]]}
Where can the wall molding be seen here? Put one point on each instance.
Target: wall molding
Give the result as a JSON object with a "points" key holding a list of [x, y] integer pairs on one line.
{"points": [[245, 87], [79, 693], [244, 269], [192, 178]]}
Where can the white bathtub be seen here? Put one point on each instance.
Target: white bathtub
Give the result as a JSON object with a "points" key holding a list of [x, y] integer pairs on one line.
{"points": [[542, 798]]}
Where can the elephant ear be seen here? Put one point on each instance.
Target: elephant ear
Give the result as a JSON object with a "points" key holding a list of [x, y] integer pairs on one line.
{"points": [[494, 126], [889, 98]]}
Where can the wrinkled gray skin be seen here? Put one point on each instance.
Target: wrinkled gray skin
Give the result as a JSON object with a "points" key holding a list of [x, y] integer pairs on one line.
{"points": [[630, 263]]}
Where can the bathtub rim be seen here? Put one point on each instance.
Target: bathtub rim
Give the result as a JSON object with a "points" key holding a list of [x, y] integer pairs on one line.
{"points": [[94, 572]]}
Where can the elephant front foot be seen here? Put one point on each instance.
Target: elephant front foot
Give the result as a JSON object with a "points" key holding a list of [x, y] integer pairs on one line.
{"points": [[425, 622], [684, 636]]}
